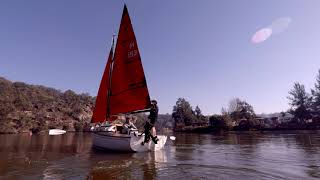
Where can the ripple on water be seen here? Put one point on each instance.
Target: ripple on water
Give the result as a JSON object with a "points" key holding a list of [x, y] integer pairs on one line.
{"points": [[226, 156]]}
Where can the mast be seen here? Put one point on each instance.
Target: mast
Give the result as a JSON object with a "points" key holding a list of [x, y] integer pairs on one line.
{"points": [[110, 80]]}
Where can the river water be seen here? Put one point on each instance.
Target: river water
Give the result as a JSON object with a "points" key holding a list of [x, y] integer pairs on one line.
{"points": [[245, 155]]}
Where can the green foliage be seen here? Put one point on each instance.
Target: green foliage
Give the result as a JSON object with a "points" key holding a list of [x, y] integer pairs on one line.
{"points": [[315, 104], [78, 126], [183, 113], [239, 115], [300, 102], [239, 110], [218, 122], [163, 121], [31, 107], [6, 98], [6, 107]]}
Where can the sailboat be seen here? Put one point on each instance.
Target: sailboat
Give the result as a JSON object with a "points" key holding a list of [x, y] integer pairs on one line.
{"points": [[123, 90]]}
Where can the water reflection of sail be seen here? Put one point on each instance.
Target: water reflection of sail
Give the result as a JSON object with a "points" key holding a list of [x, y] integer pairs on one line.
{"points": [[156, 157], [127, 166]]}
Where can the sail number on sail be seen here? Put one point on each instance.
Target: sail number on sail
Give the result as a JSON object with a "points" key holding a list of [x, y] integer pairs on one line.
{"points": [[133, 51]]}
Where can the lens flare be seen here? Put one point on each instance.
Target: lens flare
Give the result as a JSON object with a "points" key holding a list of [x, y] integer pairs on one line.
{"points": [[280, 25], [277, 26], [261, 35]]}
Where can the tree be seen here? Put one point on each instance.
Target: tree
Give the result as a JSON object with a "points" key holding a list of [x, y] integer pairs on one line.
{"points": [[239, 110], [164, 121], [183, 113], [226, 117], [315, 104], [300, 102], [233, 105], [218, 122]]}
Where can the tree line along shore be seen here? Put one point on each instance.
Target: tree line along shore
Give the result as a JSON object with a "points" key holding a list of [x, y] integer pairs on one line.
{"points": [[36, 108], [304, 114]]}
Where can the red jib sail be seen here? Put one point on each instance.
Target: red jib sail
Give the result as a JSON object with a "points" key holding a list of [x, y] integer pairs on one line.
{"points": [[129, 91], [100, 110], [123, 87]]}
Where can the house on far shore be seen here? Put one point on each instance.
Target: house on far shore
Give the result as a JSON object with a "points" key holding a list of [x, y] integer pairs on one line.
{"points": [[285, 117], [273, 120]]}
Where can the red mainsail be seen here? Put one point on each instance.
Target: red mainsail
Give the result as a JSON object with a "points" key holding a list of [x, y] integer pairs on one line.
{"points": [[123, 87], [129, 91]]}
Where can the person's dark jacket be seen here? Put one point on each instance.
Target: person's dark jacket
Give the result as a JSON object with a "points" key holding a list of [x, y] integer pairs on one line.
{"points": [[153, 114]]}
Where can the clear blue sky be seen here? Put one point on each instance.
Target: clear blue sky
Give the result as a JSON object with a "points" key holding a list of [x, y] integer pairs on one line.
{"points": [[199, 50]]}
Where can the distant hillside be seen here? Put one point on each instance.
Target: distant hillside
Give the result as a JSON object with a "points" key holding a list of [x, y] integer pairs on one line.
{"points": [[26, 107], [164, 122]]}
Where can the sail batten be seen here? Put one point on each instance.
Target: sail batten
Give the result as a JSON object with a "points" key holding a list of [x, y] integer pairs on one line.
{"points": [[124, 89]]}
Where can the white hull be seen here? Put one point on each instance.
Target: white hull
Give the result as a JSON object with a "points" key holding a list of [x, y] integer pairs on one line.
{"points": [[125, 143], [56, 132]]}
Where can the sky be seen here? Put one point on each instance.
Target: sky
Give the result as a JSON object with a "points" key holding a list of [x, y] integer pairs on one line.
{"points": [[199, 50]]}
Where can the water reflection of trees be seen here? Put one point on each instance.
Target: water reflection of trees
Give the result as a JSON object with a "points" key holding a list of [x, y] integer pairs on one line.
{"points": [[232, 138], [309, 143], [23, 150]]}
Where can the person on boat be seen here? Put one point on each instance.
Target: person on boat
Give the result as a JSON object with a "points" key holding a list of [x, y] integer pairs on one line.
{"points": [[128, 125], [149, 129]]}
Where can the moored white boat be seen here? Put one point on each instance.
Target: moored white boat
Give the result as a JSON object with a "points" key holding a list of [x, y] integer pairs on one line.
{"points": [[56, 131]]}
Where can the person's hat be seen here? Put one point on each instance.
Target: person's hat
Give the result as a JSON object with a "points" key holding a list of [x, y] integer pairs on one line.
{"points": [[153, 102]]}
